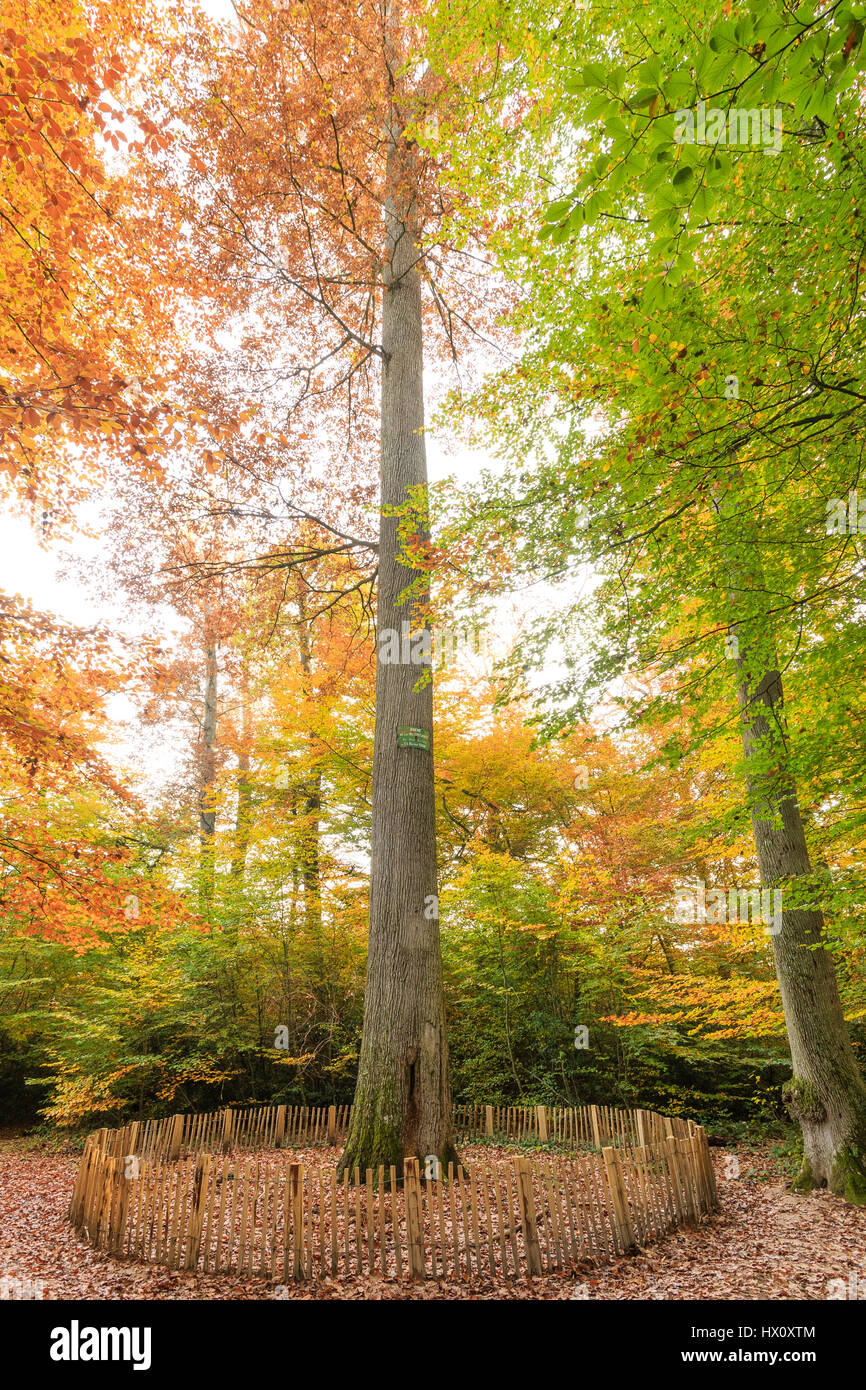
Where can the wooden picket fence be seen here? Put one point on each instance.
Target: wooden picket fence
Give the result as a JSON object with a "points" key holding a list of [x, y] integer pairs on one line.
{"points": [[289, 1126], [269, 1216]]}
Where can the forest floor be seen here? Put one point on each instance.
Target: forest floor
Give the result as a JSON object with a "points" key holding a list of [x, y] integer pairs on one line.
{"points": [[767, 1243]]}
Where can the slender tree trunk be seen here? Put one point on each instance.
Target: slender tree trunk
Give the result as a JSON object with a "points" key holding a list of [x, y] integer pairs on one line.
{"points": [[827, 1094], [310, 809], [311, 799], [244, 813], [402, 1101], [207, 783]]}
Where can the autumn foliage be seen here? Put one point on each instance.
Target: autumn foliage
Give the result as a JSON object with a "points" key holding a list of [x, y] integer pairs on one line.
{"points": [[193, 260]]}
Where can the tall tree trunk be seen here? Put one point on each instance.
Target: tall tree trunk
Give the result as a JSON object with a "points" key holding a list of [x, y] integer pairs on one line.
{"points": [[827, 1094], [243, 815], [207, 782], [402, 1100], [311, 798]]}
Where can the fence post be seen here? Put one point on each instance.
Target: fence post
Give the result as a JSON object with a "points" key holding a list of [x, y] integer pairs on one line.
{"points": [[709, 1171], [80, 1186], [680, 1186], [112, 1192], [105, 1198], [618, 1199], [641, 1136], [91, 1183], [541, 1122], [414, 1219], [176, 1136], [228, 1121], [332, 1124], [124, 1181], [488, 1121], [593, 1117], [280, 1131], [296, 1189], [690, 1177], [699, 1177], [196, 1217], [94, 1196], [526, 1198]]}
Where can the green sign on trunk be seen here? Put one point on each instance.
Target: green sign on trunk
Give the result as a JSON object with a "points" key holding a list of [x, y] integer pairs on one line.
{"points": [[412, 738]]}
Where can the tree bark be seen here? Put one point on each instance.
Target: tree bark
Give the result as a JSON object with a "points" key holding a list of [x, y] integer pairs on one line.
{"points": [[207, 783], [310, 791], [402, 1100], [244, 813], [826, 1094]]}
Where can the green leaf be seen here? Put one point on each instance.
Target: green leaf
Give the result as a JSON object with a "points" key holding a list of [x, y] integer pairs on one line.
{"points": [[664, 220], [703, 202], [651, 71], [600, 105], [618, 176], [679, 88], [655, 177], [718, 169], [556, 211]]}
